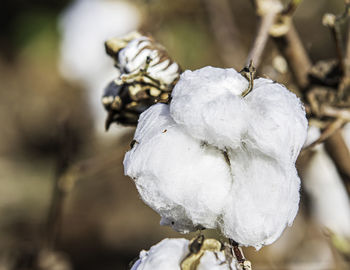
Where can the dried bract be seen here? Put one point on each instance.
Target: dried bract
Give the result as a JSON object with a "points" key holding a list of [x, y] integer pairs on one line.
{"points": [[147, 76]]}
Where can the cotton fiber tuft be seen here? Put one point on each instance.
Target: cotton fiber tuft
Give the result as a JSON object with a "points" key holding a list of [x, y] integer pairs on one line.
{"points": [[171, 254], [215, 159]]}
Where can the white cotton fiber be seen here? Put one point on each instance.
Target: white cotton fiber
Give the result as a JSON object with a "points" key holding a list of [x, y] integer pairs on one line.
{"points": [[133, 57], [206, 101], [214, 159], [170, 253], [264, 199], [329, 200], [172, 170], [167, 254]]}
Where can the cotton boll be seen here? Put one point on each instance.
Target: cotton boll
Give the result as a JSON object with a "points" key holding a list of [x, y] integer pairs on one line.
{"points": [[213, 110], [175, 174], [218, 160], [176, 254], [167, 254], [147, 75]]}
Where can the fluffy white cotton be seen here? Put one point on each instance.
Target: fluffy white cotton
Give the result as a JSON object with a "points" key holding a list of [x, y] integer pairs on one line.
{"points": [[208, 104], [329, 199], [173, 171], [169, 254], [133, 57], [346, 134], [206, 101], [214, 159], [85, 25]]}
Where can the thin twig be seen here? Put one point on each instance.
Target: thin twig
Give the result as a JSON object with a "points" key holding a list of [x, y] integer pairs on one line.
{"points": [[330, 111], [340, 154], [345, 83], [65, 155], [268, 10], [292, 49], [287, 40], [327, 133], [335, 145], [332, 22]]}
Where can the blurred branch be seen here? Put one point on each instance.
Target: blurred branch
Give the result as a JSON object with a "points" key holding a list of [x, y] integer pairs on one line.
{"points": [[333, 22], [345, 83], [227, 37], [291, 7], [88, 168], [66, 177], [298, 60], [289, 44], [340, 154], [267, 11], [347, 54], [343, 114], [278, 23], [335, 144], [67, 152], [327, 133]]}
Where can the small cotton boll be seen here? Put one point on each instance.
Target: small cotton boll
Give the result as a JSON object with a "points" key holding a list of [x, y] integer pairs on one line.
{"points": [[167, 254], [176, 254], [147, 75], [134, 56], [218, 160]]}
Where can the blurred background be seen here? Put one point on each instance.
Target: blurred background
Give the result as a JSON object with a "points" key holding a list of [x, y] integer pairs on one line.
{"points": [[53, 69]]}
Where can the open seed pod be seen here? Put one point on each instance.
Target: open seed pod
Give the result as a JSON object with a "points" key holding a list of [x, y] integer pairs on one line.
{"points": [[147, 76], [196, 254]]}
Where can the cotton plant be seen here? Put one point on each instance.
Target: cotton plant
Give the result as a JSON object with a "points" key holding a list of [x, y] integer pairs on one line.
{"points": [[213, 149]]}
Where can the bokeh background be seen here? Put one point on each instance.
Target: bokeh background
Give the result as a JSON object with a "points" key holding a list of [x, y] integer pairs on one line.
{"points": [[52, 72]]}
